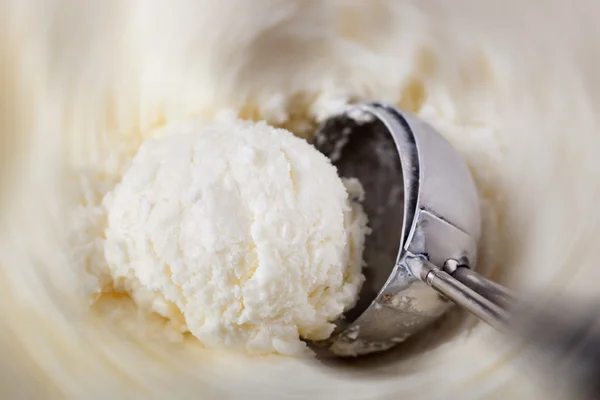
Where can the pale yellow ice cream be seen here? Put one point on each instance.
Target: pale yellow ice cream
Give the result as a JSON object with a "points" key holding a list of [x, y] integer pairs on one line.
{"points": [[512, 84], [240, 233]]}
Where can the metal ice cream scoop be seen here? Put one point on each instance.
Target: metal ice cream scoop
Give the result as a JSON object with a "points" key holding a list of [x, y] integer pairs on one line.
{"points": [[424, 213]]}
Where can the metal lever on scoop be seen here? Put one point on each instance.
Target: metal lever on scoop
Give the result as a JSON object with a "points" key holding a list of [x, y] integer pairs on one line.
{"points": [[568, 335], [485, 299], [489, 289]]}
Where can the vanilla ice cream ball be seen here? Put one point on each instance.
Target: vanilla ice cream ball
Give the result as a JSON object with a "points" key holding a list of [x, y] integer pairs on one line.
{"points": [[240, 233]]}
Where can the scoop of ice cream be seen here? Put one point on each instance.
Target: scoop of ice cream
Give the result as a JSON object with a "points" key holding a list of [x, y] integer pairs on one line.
{"points": [[241, 233]]}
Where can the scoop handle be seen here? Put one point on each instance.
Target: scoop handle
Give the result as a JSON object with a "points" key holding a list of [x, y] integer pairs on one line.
{"points": [[568, 334], [492, 291], [465, 296], [485, 299]]}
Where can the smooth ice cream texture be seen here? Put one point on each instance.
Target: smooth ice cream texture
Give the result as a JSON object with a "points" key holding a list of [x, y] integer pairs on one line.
{"points": [[238, 232]]}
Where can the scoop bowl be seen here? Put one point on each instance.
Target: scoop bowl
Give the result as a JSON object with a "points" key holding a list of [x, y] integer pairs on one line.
{"points": [[422, 204]]}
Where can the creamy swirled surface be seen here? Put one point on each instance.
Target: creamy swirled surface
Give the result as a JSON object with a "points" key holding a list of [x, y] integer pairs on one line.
{"points": [[238, 233], [511, 85]]}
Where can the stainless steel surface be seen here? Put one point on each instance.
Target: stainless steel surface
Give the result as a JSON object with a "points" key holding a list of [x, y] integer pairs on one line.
{"points": [[420, 199], [475, 302], [496, 293], [424, 212]]}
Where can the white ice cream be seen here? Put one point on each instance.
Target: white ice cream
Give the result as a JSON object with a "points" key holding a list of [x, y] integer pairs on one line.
{"points": [[512, 84], [238, 232]]}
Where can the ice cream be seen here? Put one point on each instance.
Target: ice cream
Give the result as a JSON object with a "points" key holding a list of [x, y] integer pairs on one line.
{"points": [[512, 84], [241, 233]]}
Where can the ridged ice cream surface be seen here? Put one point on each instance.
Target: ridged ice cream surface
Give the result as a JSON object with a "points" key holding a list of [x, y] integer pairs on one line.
{"points": [[241, 233]]}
